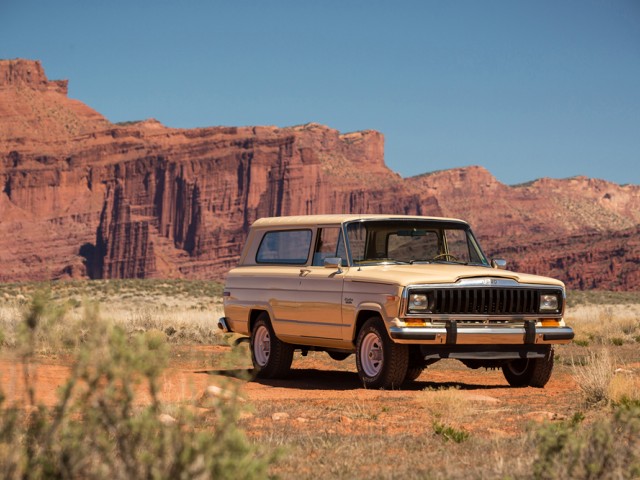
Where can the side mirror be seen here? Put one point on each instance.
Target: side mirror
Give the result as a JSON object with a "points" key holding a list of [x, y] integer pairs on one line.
{"points": [[499, 263], [333, 262]]}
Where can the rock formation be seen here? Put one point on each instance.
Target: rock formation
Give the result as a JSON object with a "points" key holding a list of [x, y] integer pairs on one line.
{"points": [[82, 197]]}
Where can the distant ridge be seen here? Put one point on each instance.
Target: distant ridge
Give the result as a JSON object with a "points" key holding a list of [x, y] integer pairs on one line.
{"points": [[85, 198]]}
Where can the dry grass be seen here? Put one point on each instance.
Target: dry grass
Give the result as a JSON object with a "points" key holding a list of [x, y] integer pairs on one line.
{"points": [[186, 311], [605, 324], [449, 406], [625, 387], [595, 376], [605, 333]]}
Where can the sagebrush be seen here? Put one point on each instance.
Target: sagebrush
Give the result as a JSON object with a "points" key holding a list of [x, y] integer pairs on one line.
{"points": [[99, 428]]}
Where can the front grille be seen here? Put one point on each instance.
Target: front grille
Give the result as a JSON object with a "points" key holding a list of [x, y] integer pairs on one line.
{"points": [[488, 301]]}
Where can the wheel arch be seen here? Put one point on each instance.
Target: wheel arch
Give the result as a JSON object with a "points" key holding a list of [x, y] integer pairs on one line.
{"points": [[254, 314], [364, 315]]}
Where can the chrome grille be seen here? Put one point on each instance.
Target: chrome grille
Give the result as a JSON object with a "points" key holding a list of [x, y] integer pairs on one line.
{"points": [[488, 301]]}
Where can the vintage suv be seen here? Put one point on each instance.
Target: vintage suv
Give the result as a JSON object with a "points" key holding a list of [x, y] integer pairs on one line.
{"points": [[401, 292]]}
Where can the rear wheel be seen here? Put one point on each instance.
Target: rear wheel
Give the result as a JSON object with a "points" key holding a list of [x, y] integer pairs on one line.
{"points": [[381, 363], [271, 357], [533, 372]]}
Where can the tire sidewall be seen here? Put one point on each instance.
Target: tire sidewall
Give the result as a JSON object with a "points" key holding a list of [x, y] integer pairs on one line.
{"points": [[395, 358], [280, 353], [261, 323], [368, 381], [518, 375], [536, 373]]}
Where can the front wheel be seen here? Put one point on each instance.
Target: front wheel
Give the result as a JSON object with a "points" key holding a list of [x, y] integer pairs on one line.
{"points": [[271, 357], [381, 363], [412, 374], [533, 372]]}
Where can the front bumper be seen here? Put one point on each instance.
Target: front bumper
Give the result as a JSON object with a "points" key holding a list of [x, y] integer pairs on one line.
{"points": [[454, 334]]}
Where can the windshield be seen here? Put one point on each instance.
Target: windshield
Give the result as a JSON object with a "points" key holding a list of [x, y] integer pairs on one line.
{"points": [[412, 241]]}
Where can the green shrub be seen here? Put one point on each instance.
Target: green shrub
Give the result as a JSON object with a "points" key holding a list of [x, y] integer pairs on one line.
{"points": [[607, 449], [617, 341], [450, 433], [99, 427]]}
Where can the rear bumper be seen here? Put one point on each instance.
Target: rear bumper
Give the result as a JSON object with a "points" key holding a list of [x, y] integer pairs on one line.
{"points": [[452, 334], [223, 324]]}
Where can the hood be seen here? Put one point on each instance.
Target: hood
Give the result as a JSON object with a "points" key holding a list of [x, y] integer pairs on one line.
{"points": [[404, 275]]}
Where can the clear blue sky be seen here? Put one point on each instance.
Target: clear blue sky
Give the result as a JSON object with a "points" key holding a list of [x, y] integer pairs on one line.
{"points": [[525, 89]]}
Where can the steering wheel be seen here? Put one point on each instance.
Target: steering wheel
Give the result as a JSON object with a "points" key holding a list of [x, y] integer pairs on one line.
{"points": [[446, 255]]}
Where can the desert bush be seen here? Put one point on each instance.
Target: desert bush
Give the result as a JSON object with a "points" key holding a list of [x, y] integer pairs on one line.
{"points": [[617, 341], [447, 432], [609, 448], [594, 376], [100, 427]]}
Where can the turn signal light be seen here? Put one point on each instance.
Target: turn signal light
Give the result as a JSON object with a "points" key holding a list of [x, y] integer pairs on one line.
{"points": [[546, 322], [415, 322]]}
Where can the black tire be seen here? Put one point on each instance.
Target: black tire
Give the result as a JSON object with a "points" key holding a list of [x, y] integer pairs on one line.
{"points": [[413, 373], [381, 363], [271, 357], [532, 372]]}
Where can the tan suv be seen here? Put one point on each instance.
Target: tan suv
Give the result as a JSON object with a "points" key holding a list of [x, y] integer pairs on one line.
{"points": [[401, 292]]}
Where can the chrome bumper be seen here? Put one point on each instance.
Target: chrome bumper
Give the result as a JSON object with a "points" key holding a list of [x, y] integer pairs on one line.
{"points": [[223, 325], [453, 334]]}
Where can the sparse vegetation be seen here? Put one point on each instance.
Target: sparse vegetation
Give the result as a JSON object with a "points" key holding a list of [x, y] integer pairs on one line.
{"points": [[447, 432], [595, 297], [608, 448], [186, 311], [98, 428], [127, 123], [595, 376], [605, 324], [116, 336]]}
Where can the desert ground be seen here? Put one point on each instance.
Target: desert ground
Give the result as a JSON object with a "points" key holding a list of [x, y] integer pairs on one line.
{"points": [[452, 422]]}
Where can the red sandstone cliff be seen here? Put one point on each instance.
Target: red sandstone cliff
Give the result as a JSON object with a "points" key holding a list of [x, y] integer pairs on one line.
{"points": [[85, 198]]}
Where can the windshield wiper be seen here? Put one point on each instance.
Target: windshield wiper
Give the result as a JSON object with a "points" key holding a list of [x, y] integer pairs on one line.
{"points": [[379, 261], [451, 261]]}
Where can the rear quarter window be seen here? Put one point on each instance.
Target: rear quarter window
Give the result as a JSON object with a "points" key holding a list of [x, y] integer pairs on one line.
{"points": [[288, 247]]}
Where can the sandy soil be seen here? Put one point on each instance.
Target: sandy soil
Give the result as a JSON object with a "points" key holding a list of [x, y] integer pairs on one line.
{"points": [[318, 385]]}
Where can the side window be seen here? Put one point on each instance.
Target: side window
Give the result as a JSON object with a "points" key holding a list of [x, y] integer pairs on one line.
{"points": [[329, 244], [290, 247]]}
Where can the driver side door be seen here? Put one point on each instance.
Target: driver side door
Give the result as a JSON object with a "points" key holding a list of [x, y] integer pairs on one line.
{"points": [[320, 293]]}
